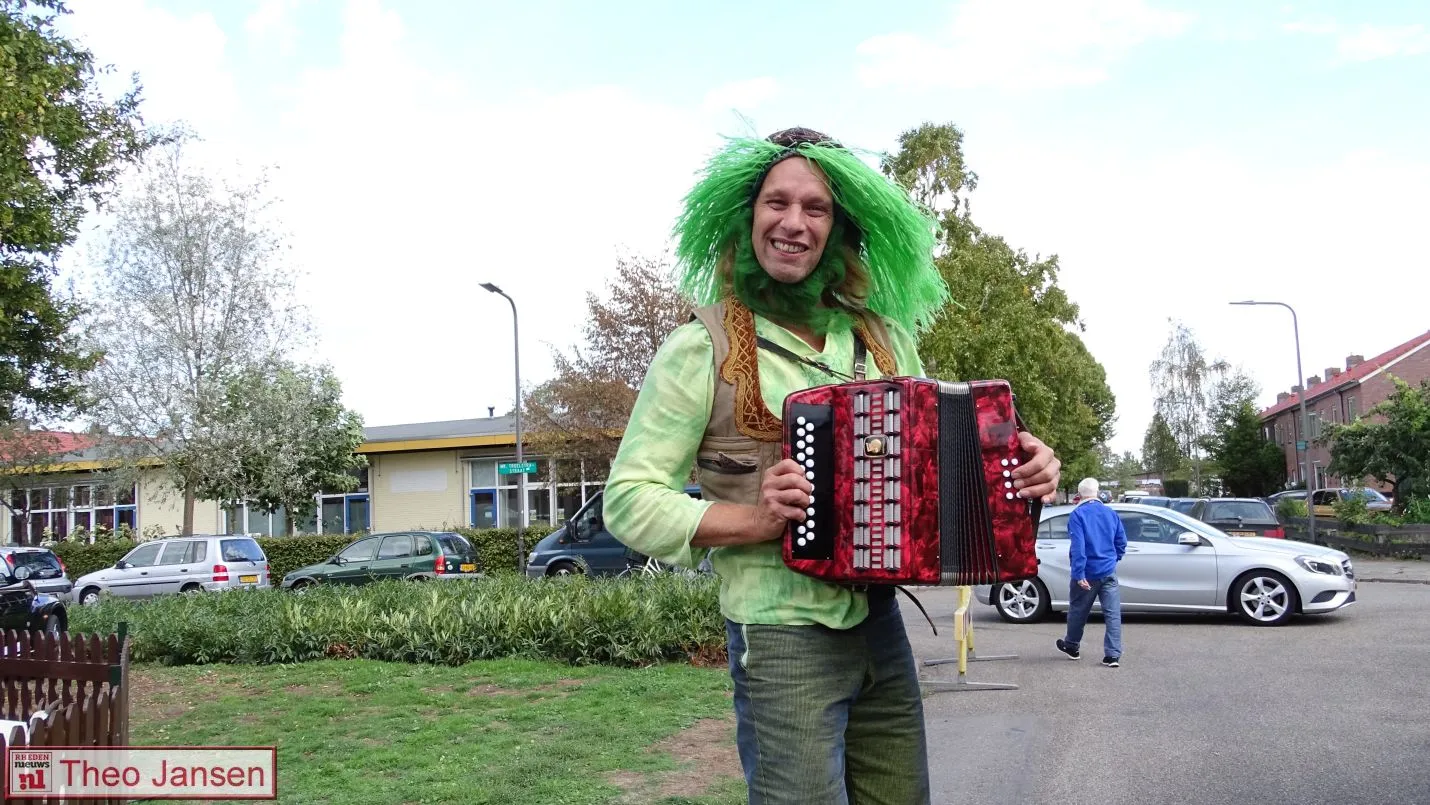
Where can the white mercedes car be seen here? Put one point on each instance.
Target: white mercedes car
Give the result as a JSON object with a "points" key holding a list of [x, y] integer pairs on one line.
{"points": [[1177, 564]]}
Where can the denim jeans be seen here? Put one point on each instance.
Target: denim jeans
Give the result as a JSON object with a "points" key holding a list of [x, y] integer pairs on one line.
{"points": [[1080, 604], [830, 716]]}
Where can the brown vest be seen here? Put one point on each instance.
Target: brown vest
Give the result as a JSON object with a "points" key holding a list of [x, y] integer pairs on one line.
{"points": [[743, 438]]}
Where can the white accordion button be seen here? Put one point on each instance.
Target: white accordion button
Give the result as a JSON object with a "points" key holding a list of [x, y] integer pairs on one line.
{"points": [[809, 511], [1007, 484], [1005, 462], [809, 524], [1007, 474], [1015, 462], [1009, 496], [800, 420], [809, 475], [800, 542], [809, 462]]}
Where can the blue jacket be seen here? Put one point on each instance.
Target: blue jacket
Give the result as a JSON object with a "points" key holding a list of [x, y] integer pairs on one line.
{"points": [[1097, 538]]}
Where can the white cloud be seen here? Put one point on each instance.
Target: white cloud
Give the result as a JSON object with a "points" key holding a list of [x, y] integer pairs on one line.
{"points": [[272, 22], [1032, 44], [741, 96], [1365, 43], [1370, 42], [181, 60]]}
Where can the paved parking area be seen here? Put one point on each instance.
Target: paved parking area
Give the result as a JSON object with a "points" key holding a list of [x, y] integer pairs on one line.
{"points": [[1328, 709]]}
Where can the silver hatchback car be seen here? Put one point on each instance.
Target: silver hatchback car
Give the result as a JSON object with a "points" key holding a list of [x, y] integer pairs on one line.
{"points": [[179, 565], [1175, 563]]}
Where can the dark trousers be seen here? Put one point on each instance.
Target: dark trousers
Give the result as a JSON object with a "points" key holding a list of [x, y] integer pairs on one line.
{"points": [[830, 716]]}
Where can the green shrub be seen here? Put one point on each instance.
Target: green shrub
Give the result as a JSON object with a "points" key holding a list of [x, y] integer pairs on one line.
{"points": [[1417, 511], [1290, 507], [287, 554], [1351, 510], [577, 620], [496, 547], [81, 558]]}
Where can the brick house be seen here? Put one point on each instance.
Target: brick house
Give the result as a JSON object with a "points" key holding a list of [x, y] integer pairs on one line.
{"points": [[1341, 395]]}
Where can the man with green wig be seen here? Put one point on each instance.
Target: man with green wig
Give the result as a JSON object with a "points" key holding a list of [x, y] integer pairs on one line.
{"points": [[806, 267]]}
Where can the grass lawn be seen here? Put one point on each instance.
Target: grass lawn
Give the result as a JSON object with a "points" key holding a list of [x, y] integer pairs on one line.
{"points": [[358, 731]]}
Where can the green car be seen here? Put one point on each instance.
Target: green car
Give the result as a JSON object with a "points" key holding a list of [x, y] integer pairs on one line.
{"points": [[417, 555]]}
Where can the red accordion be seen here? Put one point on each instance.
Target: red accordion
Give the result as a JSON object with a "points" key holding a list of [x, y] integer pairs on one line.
{"points": [[912, 483]]}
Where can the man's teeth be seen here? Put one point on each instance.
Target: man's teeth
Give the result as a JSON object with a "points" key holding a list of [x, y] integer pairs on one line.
{"points": [[789, 248]]}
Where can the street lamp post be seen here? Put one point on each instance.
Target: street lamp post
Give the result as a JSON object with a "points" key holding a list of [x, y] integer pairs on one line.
{"points": [[1305, 418], [520, 458]]}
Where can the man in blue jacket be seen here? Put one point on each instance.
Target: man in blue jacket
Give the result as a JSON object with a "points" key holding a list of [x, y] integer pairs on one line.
{"points": [[1097, 542]]}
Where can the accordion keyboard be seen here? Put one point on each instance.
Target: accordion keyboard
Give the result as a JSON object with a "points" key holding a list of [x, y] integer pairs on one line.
{"points": [[878, 473]]}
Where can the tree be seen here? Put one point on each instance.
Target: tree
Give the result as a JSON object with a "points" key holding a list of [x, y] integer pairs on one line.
{"points": [[191, 293], [1248, 464], [62, 147], [1010, 318], [1179, 380], [1160, 453], [288, 437], [1390, 442], [579, 415]]}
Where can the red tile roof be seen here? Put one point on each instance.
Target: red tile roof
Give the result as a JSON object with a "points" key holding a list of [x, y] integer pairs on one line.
{"points": [[1352, 375], [36, 444]]}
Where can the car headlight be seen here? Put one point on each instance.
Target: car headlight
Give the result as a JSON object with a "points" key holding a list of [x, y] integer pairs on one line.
{"points": [[532, 558], [1319, 565]]}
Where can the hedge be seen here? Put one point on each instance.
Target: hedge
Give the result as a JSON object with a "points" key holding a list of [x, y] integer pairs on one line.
{"points": [[496, 550], [577, 619]]}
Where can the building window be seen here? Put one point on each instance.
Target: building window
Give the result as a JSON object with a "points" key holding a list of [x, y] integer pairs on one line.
{"points": [[245, 518], [494, 499], [1352, 409], [342, 513], [58, 511]]}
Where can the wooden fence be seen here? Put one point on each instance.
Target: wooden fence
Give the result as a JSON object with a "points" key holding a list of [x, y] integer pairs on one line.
{"points": [[1380, 540], [79, 682]]}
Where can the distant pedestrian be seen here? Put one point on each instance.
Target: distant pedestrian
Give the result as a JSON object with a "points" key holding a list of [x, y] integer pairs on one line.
{"points": [[1096, 543]]}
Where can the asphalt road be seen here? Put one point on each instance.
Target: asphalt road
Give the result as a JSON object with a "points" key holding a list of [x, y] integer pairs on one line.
{"points": [[1327, 709]]}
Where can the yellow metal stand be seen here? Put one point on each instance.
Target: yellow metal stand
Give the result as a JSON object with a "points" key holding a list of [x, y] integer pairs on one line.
{"points": [[963, 639]]}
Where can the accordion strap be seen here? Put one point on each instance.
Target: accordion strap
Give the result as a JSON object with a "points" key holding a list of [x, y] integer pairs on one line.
{"points": [[861, 354]]}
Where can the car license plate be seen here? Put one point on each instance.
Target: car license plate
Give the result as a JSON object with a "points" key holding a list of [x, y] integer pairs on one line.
{"points": [[1242, 533], [253, 579], [468, 567]]}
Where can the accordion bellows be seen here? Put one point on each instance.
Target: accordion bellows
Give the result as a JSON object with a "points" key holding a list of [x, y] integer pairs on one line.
{"points": [[912, 483]]}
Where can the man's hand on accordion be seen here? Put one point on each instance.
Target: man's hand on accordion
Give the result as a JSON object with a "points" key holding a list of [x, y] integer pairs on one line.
{"points": [[1038, 476], [784, 496]]}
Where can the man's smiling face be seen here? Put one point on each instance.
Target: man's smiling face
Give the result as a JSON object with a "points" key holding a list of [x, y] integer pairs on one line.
{"points": [[793, 217]]}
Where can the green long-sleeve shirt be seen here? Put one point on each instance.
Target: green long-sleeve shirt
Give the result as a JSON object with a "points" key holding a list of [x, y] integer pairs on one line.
{"points": [[646, 508]]}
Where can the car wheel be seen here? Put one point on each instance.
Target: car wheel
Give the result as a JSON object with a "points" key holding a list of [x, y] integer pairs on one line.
{"points": [[563, 568], [54, 625], [1263, 598], [191, 588], [301, 586], [1023, 601], [89, 597]]}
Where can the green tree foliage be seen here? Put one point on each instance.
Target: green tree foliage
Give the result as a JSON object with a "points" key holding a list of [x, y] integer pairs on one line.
{"points": [[1390, 443], [287, 437], [1010, 319], [1249, 465], [1160, 453], [62, 147]]}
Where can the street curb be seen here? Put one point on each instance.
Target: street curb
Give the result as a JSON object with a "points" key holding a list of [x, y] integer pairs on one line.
{"points": [[1399, 581]]}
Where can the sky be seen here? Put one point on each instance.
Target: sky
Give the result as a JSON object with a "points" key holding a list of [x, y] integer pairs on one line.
{"points": [[1174, 157]]}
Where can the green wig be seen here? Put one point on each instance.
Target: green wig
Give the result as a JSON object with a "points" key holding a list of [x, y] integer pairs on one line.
{"points": [[893, 237]]}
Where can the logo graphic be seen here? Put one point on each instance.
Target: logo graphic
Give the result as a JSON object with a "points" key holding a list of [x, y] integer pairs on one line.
{"points": [[32, 771]]}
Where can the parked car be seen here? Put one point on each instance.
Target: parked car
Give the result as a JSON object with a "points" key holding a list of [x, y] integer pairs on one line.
{"points": [[413, 555], [24, 606], [583, 546], [1323, 500], [1182, 505], [1175, 563], [179, 565], [44, 571], [1239, 517]]}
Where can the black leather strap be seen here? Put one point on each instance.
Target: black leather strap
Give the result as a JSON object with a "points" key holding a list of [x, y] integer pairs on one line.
{"points": [[861, 356]]}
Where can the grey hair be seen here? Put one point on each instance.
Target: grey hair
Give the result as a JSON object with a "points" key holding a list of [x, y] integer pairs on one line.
{"points": [[1087, 487]]}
